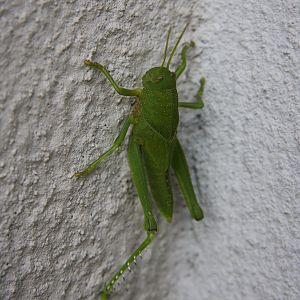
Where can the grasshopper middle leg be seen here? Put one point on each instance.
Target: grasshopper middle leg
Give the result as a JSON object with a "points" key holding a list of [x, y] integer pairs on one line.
{"points": [[93, 165]]}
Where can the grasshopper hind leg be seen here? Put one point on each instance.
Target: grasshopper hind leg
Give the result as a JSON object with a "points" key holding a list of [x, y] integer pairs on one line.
{"points": [[109, 286], [139, 178], [181, 169]]}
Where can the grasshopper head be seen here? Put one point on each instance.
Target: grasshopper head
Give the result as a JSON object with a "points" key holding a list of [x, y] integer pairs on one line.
{"points": [[159, 78]]}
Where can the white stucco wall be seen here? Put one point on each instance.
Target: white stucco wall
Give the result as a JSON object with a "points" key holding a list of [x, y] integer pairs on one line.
{"points": [[62, 238]]}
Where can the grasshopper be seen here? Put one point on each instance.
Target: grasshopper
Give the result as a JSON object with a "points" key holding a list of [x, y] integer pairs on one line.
{"points": [[153, 146]]}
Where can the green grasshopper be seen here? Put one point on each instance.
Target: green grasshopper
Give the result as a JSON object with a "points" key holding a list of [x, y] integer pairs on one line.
{"points": [[153, 146]]}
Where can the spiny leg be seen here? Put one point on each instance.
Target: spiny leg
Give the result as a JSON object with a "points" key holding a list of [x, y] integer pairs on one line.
{"points": [[199, 103], [181, 169], [109, 286], [92, 166], [139, 178], [181, 67], [121, 90]]}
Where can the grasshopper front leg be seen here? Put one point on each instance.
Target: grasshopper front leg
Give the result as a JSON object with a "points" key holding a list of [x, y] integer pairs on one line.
{"points": [[139, 179], [179, 70], [181, 67], [120, 90], [199, 103], [93, 165]]}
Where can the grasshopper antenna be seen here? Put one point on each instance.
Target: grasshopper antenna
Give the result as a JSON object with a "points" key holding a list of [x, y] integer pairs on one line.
{"points": [[166, 48], [178, 41]]}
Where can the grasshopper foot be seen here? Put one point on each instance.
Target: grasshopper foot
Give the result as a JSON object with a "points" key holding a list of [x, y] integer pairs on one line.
{"points": [[79, 174]]}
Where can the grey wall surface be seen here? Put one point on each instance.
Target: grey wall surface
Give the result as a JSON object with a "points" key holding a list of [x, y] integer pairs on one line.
{"points": [[62, 238]]}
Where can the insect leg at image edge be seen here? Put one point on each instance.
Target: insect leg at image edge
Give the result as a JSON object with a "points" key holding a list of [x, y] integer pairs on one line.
{"points": [[153, 146]]}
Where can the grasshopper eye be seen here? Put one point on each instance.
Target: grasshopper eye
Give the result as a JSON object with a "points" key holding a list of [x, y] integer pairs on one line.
{"points": [[157, 79]]}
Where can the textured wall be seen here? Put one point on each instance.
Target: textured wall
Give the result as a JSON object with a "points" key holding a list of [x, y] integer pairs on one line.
{"points": [[61, 238]]}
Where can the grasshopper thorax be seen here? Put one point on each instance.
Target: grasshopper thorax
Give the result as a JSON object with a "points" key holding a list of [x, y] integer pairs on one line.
{"points": [[159, 78]]}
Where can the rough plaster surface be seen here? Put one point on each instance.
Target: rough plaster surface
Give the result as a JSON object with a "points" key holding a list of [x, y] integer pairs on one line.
{"points": [[61, 238]]}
